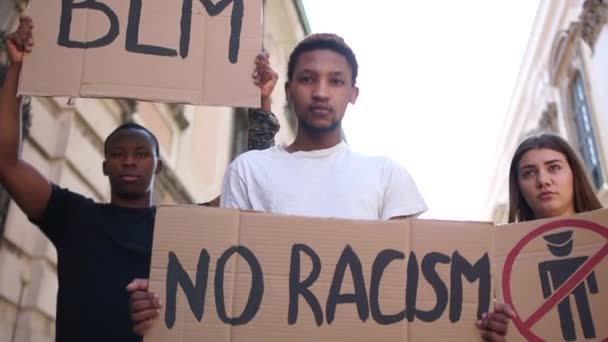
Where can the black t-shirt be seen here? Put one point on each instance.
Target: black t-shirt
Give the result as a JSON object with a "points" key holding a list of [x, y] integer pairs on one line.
{"points": [[100, 249]]}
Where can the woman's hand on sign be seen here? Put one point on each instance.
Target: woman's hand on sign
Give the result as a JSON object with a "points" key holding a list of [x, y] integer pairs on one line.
{"points": [[20, 41], [144, 305], [494, 325], [265, 78]]}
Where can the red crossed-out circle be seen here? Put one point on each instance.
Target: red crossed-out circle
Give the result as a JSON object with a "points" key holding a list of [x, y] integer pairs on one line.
{"points": [[525, 327]]}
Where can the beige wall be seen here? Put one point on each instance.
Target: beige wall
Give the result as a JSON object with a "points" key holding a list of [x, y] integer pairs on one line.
{"points": [[66, 144], [556, 50]]}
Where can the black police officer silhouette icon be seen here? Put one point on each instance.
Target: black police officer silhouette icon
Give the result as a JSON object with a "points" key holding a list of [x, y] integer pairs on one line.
{"points": [[553, 273]]}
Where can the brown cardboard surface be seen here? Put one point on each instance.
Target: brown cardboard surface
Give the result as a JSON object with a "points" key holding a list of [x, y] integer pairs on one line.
{"points": [[41, 72], [271, 239], [423, 264], [186, 230], [522, 285], [205, 76], [445, 246]]}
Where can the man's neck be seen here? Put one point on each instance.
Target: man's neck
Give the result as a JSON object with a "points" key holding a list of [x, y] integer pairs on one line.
{"points": [[144, 201], [312, 141]]}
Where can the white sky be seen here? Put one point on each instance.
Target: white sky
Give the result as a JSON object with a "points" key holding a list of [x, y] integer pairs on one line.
{"points": [[435, 81]]}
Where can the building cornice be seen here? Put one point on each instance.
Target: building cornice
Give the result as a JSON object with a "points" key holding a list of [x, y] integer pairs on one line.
{"points": [[593, 18], [299, 6]]}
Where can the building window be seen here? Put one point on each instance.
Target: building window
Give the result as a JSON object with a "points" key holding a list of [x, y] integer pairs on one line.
{"points": [[584, 130]]}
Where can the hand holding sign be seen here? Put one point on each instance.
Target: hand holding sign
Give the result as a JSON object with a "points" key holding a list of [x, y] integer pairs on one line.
{"points": [[144, 305], [20, 41], [265, 78], [494, 325]]}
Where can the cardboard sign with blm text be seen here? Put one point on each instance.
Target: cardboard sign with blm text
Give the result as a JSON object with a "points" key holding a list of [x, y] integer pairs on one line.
{"points": [[186, 51]]}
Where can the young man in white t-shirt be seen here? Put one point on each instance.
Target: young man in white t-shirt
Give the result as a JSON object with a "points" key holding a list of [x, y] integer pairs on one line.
{"points": [[318, 175]]}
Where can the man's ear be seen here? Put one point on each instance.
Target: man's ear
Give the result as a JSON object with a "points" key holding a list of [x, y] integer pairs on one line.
{"points": [[159, 166], [104, 168], [287, 92], [354, 95]]}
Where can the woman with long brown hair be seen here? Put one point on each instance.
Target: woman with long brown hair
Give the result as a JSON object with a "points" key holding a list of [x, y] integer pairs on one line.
{"points": [[546, 179]]}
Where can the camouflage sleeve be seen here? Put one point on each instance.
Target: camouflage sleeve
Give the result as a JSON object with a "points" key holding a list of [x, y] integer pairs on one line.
{"points": [[263, 126]]}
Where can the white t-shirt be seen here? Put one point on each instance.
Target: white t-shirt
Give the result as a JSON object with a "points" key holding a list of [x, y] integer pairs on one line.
{"points": [[334, 182]]}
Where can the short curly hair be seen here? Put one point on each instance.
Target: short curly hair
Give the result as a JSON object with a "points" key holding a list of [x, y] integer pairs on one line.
{"points": [[323, 41], [134, 126]]}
